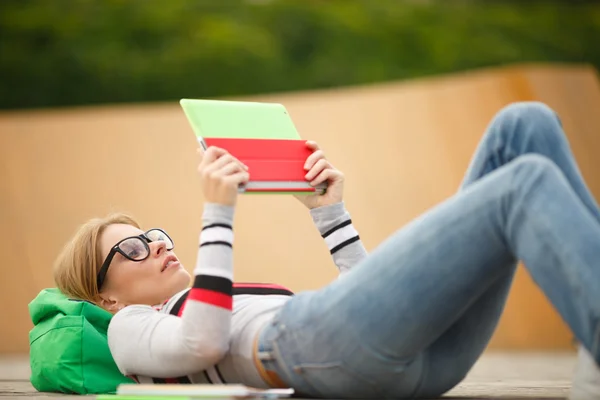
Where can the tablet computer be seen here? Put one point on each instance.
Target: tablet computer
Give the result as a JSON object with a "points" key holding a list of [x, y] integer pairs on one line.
{"points": [[245, 124]]}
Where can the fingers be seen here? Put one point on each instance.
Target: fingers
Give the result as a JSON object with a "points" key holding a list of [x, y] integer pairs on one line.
{"points": [[238, 178], [215, 158], [222, 168], [315, 156], [317, 168], [210, 155], [229, 169], [220, 162], [313, 159], [328, 174], [220, 176], [311, 144]]}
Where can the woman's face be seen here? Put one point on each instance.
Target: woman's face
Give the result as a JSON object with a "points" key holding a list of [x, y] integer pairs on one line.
{"points": [[150, 281]]}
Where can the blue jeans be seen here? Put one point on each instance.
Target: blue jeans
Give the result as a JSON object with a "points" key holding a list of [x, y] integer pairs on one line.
{"points": [[413, 317]]}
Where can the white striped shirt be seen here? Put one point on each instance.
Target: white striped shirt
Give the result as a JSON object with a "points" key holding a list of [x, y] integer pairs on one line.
{"points": [[205, 334]]}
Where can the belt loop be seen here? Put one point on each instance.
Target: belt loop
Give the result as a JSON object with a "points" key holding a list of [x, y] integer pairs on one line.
{"points": [[270, 377], [264, 355]]}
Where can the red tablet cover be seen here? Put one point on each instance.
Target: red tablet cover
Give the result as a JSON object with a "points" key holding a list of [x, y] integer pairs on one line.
{"points": [[268, 159]]}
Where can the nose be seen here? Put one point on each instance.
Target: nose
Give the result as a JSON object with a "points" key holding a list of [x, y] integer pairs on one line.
{"points": [[158, 247]]}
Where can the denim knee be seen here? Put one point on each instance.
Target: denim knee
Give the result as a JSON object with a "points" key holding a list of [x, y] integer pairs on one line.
{"points": [[531, 117], [526, 127], [529, 168], [528, 111]]}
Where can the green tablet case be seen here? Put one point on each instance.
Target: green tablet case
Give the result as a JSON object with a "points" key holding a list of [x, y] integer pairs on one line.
{"points": [[239, 119]]}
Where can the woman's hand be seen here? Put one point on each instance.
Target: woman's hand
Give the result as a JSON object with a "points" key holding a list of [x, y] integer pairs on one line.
{"points": [[220, 176], [320, 170]]}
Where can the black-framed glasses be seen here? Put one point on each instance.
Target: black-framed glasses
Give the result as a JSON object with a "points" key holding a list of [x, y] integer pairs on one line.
{"points": [[134, 248]]}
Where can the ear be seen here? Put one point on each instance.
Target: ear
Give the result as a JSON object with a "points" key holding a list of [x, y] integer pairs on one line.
{"points": [[110, 303]]}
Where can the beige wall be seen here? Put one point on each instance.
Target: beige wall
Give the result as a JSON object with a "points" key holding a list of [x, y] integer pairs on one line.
{"points": [[402, 146]]}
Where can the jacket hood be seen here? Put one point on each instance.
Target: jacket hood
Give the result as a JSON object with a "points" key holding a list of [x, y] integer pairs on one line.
{"points": [[51, 303]]}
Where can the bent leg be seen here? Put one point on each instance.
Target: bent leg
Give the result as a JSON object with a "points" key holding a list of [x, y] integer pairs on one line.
{"points": [[528, 128], [521, 128], [367, 333]]}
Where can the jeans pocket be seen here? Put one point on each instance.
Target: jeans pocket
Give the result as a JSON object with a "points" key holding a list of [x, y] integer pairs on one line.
{"points": [[335, 380]]}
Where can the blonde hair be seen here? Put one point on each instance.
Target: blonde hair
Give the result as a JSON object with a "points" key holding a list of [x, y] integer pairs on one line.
{"points": [[77, 265]]}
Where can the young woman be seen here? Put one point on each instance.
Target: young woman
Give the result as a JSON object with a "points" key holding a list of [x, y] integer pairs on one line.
{"points": [[408, 320]]}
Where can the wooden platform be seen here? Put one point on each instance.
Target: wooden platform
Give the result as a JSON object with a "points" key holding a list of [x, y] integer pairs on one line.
{"points": [[496, 376]]}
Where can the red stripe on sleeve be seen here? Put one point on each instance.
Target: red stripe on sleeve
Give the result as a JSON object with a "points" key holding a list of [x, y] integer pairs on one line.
{"points": [[211, 297]]}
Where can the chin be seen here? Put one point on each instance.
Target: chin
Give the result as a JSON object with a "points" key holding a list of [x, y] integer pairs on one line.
{"points": [[181, 280], [174, 283]]}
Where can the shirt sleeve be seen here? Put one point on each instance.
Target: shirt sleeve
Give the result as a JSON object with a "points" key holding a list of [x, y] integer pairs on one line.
{"points": [[146, 342], [342, 239]]}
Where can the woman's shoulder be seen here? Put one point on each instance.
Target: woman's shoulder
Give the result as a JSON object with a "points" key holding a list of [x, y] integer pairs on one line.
{"points": [[133, 310], [133, 320]]}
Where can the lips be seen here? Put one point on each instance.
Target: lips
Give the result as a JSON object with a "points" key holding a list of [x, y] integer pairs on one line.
{"points": [[168, 261]]}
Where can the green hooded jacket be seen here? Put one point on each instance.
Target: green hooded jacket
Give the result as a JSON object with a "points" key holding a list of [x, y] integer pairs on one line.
{"points": [[69, 347]]}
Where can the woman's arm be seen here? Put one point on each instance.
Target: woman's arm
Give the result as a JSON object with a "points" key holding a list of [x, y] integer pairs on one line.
{"points": [[328, 211], [342, 239], [146, 342]]}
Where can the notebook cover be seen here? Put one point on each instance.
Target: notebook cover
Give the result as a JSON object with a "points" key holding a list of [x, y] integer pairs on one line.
{"points": [[238, 119], [206, 391], [268, 160]]}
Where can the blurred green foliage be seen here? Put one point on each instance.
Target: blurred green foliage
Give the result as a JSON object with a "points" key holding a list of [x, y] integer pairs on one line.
{"points": [[70, 52]]}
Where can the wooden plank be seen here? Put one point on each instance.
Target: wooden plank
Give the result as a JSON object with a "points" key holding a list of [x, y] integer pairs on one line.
{"points": [[495, 376]]}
